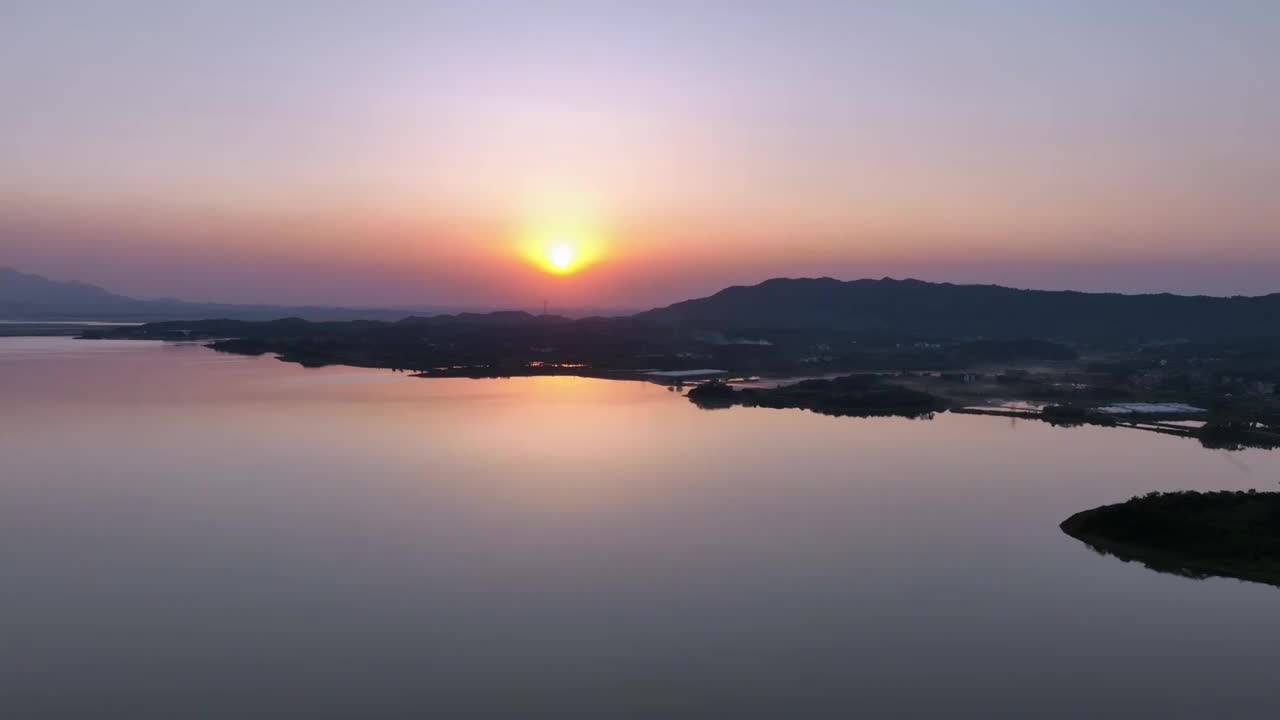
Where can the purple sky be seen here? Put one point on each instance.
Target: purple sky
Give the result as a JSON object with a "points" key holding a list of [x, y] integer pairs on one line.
{"points": [[413, 153]]}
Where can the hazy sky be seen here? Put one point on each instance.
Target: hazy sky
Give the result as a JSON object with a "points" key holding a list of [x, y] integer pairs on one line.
{"points": [[400, 152]]}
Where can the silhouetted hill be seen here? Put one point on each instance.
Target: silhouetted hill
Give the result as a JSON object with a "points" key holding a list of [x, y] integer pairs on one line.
{"points": [[800, 314], [502, 318], [923, 309], [35, 297]]}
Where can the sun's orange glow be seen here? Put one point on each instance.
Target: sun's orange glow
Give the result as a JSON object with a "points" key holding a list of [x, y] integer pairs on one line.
{"points": [[560, 251]]}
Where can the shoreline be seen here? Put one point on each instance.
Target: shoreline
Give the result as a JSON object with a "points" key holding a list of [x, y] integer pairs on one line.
{"points": [[1252, 564]]}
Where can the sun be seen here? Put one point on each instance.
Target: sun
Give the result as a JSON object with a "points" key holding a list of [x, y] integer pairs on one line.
{"points": [[561, 256], [559, 251]]}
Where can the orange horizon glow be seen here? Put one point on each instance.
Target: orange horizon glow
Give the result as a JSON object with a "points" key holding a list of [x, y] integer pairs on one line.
{"points": [[561, 250], [624, 156]]}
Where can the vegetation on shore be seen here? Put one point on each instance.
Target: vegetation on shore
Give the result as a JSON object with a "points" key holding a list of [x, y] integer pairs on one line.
{"points": [[851, 395], [1193, 534], [925, 359]]}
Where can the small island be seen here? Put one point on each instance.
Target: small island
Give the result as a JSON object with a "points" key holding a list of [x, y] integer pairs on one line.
{"points": [[863, 395], [1192, 534]]}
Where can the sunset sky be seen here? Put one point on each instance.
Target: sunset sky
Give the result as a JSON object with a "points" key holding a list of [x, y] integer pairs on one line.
{"points": [[415, 153]]}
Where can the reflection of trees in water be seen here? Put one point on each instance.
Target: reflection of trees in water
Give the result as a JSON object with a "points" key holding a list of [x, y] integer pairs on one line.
{"points": [[1237, 435], [712, 404], [1160, 564], [1221, 434], [907, 414], [1189, 534]]}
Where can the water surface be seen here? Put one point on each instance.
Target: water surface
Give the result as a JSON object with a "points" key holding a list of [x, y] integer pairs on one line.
{"points": [[190, 534]]}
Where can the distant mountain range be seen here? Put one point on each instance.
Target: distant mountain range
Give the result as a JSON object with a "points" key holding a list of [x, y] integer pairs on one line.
{"points": [[28, 297], [769, 310], [944, 310]]}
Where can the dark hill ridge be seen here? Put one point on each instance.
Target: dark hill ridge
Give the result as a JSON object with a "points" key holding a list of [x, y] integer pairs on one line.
{"points": [[819, 308], [917, 308]]}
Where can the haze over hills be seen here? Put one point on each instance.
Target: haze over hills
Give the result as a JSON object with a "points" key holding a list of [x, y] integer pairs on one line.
{"points": [[29, 297], [905, 308], [25, 296]]}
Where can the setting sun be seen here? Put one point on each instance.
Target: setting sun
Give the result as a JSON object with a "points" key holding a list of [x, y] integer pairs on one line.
{"points": [[561, 256], [560, 251]]}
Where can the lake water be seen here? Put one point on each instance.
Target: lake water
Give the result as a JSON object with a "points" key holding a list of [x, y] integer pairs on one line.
{"points": [[185, 534]]}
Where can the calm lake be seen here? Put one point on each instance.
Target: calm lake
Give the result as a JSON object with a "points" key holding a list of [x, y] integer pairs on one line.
{"points": [[185, 534]]}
